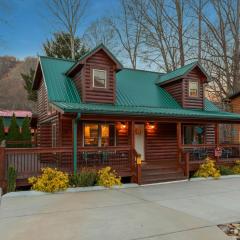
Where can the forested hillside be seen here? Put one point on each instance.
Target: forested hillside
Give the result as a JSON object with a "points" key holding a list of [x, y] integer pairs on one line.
{"points": [[12, 93]]}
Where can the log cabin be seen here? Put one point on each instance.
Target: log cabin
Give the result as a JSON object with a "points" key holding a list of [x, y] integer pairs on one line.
{"points": [[233, 103], [148, 126]]}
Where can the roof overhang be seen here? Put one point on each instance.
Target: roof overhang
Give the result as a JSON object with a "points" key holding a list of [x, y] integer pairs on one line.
{"points": [[37, 76], [111, 110], [179, 77]]}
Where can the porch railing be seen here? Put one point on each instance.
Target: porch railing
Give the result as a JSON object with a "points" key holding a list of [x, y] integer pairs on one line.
{"points": [[193, 155], [221, 152], [29, 161]]}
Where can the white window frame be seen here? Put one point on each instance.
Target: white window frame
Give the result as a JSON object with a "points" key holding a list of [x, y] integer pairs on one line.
{"points": [[105, 73], [189, 88]]}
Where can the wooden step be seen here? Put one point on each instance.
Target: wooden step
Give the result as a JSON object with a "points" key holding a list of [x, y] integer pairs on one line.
{"points": [[161, 179], [155, 173]]}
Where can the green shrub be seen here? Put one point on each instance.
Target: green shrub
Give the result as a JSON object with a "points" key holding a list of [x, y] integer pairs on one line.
{"points": [[224, 170], [85, 178], [2, 133], [13, 132], [11, 179], [26, 132]]}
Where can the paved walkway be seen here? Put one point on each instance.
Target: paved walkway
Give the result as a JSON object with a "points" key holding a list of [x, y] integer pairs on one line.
{"points": [[182, 211]]}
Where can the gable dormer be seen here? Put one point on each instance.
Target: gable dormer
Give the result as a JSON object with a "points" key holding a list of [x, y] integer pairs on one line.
{"points": [[186, 85], [95, 76]]}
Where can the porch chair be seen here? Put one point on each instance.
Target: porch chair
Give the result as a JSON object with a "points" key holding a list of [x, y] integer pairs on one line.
{"points": [[227, 152]]}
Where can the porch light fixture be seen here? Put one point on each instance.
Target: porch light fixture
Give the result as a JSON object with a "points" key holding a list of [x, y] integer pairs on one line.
{"points": [[123, 125], [151, 126]]}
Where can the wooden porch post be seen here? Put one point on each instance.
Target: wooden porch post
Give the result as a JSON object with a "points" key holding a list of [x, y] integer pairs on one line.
{"points": [[75, 145], [2, 168], [132, 140], [179, 141], [217, 138]]}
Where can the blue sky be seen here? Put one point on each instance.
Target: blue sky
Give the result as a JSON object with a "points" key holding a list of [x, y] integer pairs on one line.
{"points": [[28, 24]]}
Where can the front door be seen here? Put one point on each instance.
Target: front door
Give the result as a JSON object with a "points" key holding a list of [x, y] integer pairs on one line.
{"points": [[139, 140]]}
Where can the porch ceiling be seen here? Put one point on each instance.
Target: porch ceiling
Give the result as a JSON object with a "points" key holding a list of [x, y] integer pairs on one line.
{"points": [[107, 109]]}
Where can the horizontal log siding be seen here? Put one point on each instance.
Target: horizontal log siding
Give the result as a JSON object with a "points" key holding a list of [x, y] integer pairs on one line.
{"points": [[123, 137], [79, 81], [161, 144], [235, 106], [175, 89], [193, 102], [210, 134], [89, 94], [45, 121]]}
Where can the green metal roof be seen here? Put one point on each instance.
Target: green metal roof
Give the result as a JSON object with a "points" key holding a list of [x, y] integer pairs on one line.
{"points": [[59, 86], [176, 74], [108, 109], [136, 94]]}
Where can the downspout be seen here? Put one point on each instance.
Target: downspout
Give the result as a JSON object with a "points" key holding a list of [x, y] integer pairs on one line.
{"points": [[75, 145]]}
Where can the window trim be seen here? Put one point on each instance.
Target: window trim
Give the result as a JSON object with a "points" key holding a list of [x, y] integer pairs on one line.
{"points": [[189, 89], [105, 73]]}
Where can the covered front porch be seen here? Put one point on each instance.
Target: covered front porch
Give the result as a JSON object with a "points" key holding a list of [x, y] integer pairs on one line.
{"points": [[139, 149]]}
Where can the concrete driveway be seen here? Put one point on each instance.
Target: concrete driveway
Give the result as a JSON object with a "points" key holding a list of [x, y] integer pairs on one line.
{"points": [[182, 211]]}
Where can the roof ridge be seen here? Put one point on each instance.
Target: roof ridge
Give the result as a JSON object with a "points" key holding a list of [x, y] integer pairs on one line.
{"points": [[192, 63], [63, 59], [142, 70]]}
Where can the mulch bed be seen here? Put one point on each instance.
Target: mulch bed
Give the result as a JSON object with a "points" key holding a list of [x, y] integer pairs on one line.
{"points": [[231, 229]]}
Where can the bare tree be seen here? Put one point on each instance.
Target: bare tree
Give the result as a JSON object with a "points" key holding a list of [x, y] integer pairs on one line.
{"points": [[165, 29], [221, 46], [100, 31], [129, 31], [68, 15]]}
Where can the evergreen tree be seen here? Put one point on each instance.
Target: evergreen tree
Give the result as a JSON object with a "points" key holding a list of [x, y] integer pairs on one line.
{"points": [[28, 82], [60, 46], [2, 133], [26, 132], [13, 131]]}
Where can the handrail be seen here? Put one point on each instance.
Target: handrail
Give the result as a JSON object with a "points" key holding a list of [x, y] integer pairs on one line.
{"points": [[208, 145], [65, 149]]}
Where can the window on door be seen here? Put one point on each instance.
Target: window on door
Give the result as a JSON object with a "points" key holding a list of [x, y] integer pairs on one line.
{"points": [[193, 134], [99, 135]]}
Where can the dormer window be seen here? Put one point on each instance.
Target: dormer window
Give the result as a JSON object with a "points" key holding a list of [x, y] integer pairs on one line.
{"points": [[193, 89], [99, 78]]}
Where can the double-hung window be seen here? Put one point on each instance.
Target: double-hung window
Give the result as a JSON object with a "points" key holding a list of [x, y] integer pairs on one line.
{"points": [[193, 90], [99, 78]]}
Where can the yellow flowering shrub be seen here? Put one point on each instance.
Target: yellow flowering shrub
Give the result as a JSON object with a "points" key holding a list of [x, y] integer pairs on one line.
{"points": [[108, 177], [236, 167], [51, 180], [208, 169]]}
